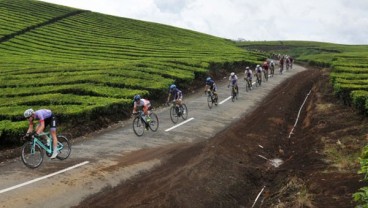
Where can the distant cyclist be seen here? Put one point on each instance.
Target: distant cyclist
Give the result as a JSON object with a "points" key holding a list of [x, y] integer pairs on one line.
{"points": [[281, 62], [272, 67], [176, 94], [248, 74], [45, 118], [287, 60], [258, 73], [233, 81], [142, 104], [210, 84], [291, 62], [265, 68]]}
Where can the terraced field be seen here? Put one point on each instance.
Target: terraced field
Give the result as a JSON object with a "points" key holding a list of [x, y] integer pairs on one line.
{"points": [[83, 65]]}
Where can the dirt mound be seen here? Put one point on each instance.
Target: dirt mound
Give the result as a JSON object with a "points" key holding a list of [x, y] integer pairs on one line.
{"points": [[318, 162]]}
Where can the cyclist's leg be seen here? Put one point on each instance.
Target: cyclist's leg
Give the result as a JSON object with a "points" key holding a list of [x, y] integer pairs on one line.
{"points": [[52, 123]]}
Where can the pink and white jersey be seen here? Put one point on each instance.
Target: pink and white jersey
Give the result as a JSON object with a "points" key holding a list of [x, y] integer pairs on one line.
{"points": [[142, 103]]}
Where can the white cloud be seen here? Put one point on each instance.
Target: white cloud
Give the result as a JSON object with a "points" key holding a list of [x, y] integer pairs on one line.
{"points": [[338, 21]]}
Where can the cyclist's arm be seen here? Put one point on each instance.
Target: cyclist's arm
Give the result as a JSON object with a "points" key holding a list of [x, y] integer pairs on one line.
{"points": [[40, 127], [206, 87], [168, 97], [30, 127], [135, 108]]}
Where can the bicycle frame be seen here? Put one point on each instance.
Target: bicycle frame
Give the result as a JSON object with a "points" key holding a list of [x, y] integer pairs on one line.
{"points": [[233, 90], [139, 114], [211, 94], [48, 149]]}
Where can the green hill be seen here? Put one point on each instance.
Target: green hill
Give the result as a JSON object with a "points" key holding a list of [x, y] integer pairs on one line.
{"points": [[83, 65]]}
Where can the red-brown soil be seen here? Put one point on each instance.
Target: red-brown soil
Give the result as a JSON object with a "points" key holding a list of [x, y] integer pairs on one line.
{"points": [[229, 170]]}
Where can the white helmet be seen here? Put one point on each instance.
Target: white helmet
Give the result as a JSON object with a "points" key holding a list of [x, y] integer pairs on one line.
{"points": [[232, 74], [247, 68], [28, 113], [258, 65]]}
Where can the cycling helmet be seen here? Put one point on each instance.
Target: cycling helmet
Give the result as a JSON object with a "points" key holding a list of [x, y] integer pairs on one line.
{"points": [[28, 113], [232, 74], [208, 79], [258, 65], [137, 97], [172, 87], [247, 68]]}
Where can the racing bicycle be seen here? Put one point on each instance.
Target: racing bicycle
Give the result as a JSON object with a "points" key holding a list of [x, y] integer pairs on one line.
{"points": [[259, 80], [248, 85], [234, 93], [211, 98], [177, 111], [265, 73], [39, 144], [272, 67], [140, 124]]}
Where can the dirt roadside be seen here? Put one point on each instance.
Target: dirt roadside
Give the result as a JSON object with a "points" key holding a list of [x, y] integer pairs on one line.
{"points": [[319, 160]]}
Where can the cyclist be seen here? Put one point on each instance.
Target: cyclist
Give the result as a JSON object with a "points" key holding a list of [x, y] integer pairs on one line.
{"points": [[233, 80], [46, 118], [287, 63], [281, 61], [272, 67], [248, 76], [258, 73], [291, 62], [177, 95], [210, 84], [265, 68], [143, 104]]}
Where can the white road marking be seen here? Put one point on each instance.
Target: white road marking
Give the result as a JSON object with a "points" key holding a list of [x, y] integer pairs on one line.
{"points": [[42, 178], [225, 100], [177, 125], [297, 118]]}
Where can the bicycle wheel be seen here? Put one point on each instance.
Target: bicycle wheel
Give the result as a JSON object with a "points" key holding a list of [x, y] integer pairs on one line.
{"points": [[138, 126], [63, 147], [174, 115], [209, 101], [154, 123], [233, 96], [215, 99], [32, 155], [184, 111]]}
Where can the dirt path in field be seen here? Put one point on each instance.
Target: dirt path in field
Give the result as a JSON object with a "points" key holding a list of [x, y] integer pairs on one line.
{"points": [[317, 163]]}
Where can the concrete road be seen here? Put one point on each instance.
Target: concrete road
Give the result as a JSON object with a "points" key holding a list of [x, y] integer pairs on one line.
{"points": [[97, 161]]}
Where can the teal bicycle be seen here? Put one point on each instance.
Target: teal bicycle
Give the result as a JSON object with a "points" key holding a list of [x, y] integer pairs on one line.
{"points": [[33, 151]]}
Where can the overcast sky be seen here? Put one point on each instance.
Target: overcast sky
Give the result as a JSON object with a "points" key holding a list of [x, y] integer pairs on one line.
{"points": [[336, 21]]}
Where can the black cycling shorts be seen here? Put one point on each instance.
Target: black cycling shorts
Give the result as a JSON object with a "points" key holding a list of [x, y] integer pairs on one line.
{"points": [[51, 121]]}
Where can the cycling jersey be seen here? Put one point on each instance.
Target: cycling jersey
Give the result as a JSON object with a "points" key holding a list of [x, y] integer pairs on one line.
{"points": [[259, 69], [45, 115], [142, 103], [248, 74], [177, 94], [212, 85], [233, 79]]}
